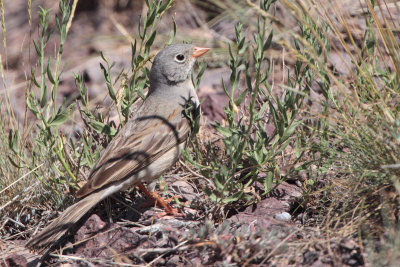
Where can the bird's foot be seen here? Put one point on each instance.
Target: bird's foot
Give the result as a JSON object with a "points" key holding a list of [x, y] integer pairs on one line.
{"points": [[157, 199]]}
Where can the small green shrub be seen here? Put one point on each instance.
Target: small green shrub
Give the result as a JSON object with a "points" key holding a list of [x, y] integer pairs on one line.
{"points": [[252, 155]]}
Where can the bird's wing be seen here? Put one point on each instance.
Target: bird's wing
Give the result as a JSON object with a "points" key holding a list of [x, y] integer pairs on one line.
{"points": [[134, 149]]}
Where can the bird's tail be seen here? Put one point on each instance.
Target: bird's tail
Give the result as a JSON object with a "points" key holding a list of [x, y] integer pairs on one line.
{"points": [[53, 232]]}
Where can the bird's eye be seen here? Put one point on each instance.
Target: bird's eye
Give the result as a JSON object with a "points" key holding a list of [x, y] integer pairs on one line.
{"points": [[180, 57]]}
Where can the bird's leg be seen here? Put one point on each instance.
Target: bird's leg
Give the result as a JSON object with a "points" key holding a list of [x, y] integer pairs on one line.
{"points": [[159, 200]]}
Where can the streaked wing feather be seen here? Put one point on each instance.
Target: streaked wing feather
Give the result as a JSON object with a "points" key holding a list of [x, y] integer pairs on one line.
{"points": [[128, 154]]}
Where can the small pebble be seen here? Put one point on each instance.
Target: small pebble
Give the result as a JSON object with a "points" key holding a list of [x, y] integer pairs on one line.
{"points": [[283, 216]]}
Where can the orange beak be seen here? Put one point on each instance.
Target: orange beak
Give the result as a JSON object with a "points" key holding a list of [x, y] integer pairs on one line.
{"points": [[198, 51]]}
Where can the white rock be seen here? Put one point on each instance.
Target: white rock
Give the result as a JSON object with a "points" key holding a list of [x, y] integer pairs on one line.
{"points": [[283, 216]]}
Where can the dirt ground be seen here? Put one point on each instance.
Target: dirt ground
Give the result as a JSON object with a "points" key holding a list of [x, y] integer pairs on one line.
{"points": [[127, 234]]}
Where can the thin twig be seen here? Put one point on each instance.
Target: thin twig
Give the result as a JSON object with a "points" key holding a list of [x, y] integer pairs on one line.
{"points": [[192, 171], [178, 247], [72, 15]]}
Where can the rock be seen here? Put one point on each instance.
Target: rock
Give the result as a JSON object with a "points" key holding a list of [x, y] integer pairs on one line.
{"points": [[174, 261], [15, 260], [283, 216]]}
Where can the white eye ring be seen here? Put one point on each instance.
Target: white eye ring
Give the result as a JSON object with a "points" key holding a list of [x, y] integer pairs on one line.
{"points": [[180, 57]]}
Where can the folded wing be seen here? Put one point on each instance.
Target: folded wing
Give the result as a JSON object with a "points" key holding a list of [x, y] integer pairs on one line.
{"points": [[131, 151]]}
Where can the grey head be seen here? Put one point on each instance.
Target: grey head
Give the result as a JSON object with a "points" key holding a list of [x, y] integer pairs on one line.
{"points": [[173, 64]]}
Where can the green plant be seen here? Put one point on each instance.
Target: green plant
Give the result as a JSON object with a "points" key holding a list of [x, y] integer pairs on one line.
{"points": [[131, 84], [249, 150], [49, 114]]}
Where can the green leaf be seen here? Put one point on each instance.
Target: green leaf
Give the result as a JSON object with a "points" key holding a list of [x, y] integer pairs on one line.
{"points": [[233, 198], [133, 51], [277, 122], [103, 128], [202, 68], [226, 132], [13, 141], [267, 43], [268, 181], [14, 163], [260, 114], [248, 78], [43, 95], [172, 38], [297, 147], [111, 92], [224, 87], [164, 6], [218, 183], [151, 40], [213, 197], [230, 52], [102, 56], [242, 46], [32, 104], [238, 30], [240, 98], [35, 81], [48, 69], [141, 94], [139, 59], [38, 52], [290, 130], [150, 18], [61, 117]]}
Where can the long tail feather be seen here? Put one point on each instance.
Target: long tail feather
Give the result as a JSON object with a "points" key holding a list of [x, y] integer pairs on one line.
{"points": [[53, 232]]}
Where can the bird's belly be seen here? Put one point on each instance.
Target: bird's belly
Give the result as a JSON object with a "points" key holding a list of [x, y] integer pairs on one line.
{"points": [[157, 167]]}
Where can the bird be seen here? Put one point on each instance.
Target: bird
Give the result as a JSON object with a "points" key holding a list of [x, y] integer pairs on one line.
{"points": [[144, 148]]}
